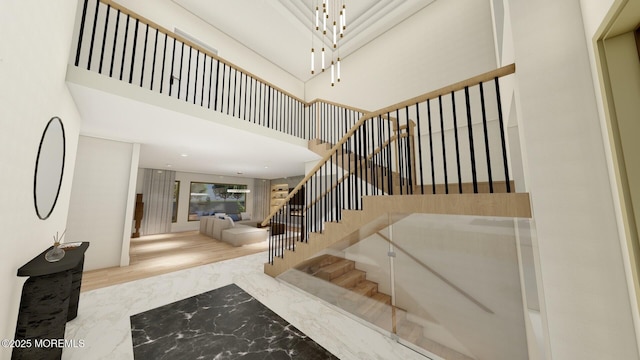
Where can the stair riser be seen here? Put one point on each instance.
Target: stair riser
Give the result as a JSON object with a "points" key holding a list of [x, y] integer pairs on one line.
{"points": [[334, 272], [349, 282]]}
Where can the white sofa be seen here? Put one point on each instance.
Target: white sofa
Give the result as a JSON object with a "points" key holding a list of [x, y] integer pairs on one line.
{"points": [[223, 228]]}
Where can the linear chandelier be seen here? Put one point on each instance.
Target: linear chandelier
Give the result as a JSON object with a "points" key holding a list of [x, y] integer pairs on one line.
{"points": [[332, 14]]}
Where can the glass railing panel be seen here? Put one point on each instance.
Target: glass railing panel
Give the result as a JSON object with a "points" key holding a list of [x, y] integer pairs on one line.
{"points": [[353, 275], [457, 282]]}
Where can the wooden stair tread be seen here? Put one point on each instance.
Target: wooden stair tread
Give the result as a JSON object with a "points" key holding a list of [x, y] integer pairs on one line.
{"points": [[409, 331], [366, 288], [349, 279], [376, 307], [311, 266], [335, 270]]}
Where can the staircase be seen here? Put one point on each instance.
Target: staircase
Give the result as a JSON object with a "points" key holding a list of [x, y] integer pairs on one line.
{"points": [[416, 156], [365, 301]]}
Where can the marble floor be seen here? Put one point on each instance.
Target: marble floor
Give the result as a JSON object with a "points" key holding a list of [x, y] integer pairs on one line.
{"points": [[103, 325], [226, 324]]}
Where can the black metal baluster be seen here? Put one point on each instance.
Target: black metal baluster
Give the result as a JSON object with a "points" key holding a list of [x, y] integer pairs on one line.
{"points": [[164, 55], [455, 133], [444, 151], [471, 147], [229, 91], [277, 121], [280, 111], [252, 103], [356, 169], [399, 153], [335, 203], [180, 77], [173, 58], [244, 113], [153, 62], [104, 37], [409, 150], [502, 137], [210, 82], [269, 107], [186, 96], [342, 169], [371, 163], [382, 152], [93, 34], [346, 156], [389, 154], [363, 160], [144, 54], [224, 72], [486, 137], [204, 72], [311, 206], [261, 108], [235, 88], [195, 75], [322, 199], [81, 32], [115, 40], [419, 149], [433, 172], [133, 51], [215, 98]]}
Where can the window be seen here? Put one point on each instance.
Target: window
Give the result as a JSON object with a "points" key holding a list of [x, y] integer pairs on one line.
{"points": [[176, 193], [207, 199]]}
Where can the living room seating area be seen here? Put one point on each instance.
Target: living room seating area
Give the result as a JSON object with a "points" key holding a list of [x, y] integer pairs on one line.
{"points": [[222, 227]]}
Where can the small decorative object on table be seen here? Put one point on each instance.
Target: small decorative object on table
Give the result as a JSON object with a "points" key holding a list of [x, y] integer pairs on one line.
{"points": [[56, 253]]}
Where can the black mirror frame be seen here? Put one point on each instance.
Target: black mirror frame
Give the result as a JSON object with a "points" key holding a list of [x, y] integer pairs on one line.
{"points": [[35, 176]]}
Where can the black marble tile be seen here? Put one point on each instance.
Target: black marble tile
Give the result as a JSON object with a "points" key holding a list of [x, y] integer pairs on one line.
{"points": [[225, 323]]}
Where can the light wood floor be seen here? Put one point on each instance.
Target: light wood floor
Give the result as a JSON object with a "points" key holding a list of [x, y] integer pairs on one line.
{"points": [[160, 254]]}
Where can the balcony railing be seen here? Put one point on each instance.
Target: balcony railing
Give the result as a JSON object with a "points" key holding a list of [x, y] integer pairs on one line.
{"points": [[116, 42]]}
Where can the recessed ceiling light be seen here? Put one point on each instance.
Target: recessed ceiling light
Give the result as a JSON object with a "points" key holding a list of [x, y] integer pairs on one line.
{"points": [[168, 165], [266, 167], [184, 155]]}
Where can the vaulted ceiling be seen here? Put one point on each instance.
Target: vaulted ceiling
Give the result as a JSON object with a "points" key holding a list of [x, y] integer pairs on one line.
{"points": [[281, 30]]}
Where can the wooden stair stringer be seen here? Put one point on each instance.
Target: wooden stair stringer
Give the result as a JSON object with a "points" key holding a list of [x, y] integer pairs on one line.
{"points": [[358, 224]]}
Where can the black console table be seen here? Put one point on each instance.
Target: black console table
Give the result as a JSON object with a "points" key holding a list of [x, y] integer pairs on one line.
{"points": [[49, 299]]}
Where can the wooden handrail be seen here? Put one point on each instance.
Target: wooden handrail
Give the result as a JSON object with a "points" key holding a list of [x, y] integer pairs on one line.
{"points": [[188, 42], [490, 75], [348, 107]]}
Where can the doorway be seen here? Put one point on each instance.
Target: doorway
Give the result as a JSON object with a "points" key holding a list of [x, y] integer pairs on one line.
{"points": [[618, 56]]}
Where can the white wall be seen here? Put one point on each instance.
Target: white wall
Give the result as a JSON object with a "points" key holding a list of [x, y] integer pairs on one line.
{"points": [[99, 199], [583, 277], [36, 37], [445, 42], [169, 15], [183, 202]]}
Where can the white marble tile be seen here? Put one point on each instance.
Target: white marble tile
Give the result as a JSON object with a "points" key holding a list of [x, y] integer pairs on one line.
{"points": [[103, 316]]}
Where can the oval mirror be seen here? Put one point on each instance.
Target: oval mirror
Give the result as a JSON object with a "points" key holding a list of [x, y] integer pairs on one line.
{"points": [[49, 168]]}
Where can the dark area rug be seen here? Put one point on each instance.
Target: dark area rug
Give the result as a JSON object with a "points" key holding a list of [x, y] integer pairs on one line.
{"points": [[225, 323]]}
